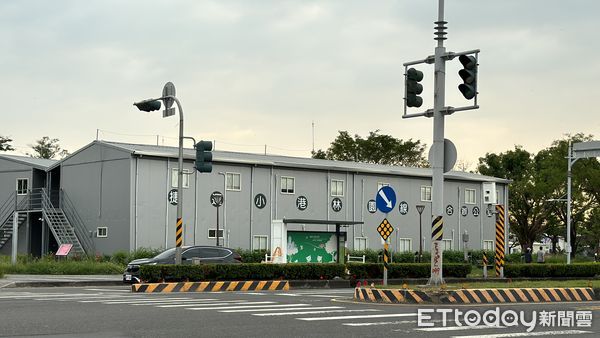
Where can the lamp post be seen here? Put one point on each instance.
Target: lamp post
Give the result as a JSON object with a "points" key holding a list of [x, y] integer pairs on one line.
{"points": [[420, 209], [168, 97]]}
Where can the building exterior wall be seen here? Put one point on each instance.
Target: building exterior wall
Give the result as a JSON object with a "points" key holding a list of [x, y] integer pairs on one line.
{"points": [[10, 171], [96, 180]]}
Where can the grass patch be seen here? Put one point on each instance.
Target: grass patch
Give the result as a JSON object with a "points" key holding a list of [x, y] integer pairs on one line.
{"points": [[504, 285], [49, 266]]}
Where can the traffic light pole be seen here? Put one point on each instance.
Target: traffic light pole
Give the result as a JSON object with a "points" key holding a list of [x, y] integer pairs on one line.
{"points": [[437, 201]]}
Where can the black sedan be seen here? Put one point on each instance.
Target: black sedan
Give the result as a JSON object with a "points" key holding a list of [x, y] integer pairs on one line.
{"points": [[189, 255]]}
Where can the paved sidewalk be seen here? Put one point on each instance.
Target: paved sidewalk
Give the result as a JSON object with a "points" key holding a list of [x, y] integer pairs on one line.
{"points": [[59, 280]]}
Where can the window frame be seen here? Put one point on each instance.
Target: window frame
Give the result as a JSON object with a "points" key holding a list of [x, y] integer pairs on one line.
{"points": [[445, 241], [98, 232], [215, 233], [492, 245], [175, 177], [474, 191], [403, 240], [22, 191], [337, 181], [424, 189], [287, 192], [359, 239], [259, 238], [229, 177]]}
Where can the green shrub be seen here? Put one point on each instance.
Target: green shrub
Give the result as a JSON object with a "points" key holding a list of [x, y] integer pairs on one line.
{"points": [[120, 257], [244, 271], [62, 267], [406, 270], [551, 270], [143, 253], [252, 256]]}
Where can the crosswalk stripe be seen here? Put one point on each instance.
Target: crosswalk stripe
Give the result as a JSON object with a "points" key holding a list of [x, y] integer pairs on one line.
{"points": [[86, 298], [125, 301], [361, 317], [50, 295], [458, 328], [527, 334], [166, 302], [215, 303], [311, 312], [109, 290], [290, 309], [245, 306]]}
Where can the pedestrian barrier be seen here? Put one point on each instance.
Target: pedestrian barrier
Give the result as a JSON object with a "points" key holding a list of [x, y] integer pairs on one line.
{"points": [[211, 286]]}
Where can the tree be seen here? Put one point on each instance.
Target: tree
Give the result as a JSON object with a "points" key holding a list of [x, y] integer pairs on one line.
{"points": [[376, 148], [48, 148], [5, 145], [526, 202]]}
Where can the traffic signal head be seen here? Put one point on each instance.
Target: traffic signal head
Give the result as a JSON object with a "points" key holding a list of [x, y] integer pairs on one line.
{"points": [[148, 105], [413, 88], [204, 156], [469, 76]]}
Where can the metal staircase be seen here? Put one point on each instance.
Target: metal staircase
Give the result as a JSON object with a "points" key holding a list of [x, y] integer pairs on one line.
{"points": [[65, 223], [7, 210], [59, 225]]}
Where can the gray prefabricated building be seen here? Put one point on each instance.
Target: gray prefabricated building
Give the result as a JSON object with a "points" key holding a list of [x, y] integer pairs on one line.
{"points": [[121, 191]]}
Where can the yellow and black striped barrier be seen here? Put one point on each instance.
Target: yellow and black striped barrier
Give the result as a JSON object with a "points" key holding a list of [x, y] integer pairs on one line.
{"points": [[213, 286], [390, 296], [519, 295], [437, 229], [500, 226]]}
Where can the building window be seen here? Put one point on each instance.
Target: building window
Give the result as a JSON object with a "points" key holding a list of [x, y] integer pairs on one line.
{"points": [[22, 186], [425, 193], [498, 197], [212, 233], [488, 245], [234, 181], [287, 185], [259, 242], [361, 243], [470, 196], [381, 185], [405, 244], [447, 244], [102, 232], [175, 176], [337, 188]]}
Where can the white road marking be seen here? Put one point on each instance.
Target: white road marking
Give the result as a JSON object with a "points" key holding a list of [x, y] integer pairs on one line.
{"points": [[215, 303], [86, 297], [361, 317], [311, 312], [109, 290], [142, 300], [49, 295], [245, 306], [396, 322], [166, 302], [527, 334], [290, 309]]}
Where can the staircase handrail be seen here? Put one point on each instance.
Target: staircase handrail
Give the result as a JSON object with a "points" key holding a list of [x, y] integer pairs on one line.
{"points": [[81, 230], [7, 208]]}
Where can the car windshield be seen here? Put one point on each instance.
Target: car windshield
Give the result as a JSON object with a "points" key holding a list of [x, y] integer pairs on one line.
{"points": [[165, 254]]}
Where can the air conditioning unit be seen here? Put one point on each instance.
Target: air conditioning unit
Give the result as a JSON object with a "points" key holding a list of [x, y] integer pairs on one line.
{"points": [[489, 193]]}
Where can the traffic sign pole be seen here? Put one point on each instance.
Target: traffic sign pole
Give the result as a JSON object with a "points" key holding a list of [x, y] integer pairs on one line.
{"points": [[386, 259]]}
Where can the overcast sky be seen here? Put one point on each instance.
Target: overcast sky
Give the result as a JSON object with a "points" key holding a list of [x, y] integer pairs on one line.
{"points": [[250, 73]]}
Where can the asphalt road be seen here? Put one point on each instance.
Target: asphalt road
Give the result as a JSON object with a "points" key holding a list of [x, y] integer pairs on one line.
{"points": [[116, 312]]}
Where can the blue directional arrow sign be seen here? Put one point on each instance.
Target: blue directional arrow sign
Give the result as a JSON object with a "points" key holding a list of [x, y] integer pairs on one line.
{"points": [[386, 199]]}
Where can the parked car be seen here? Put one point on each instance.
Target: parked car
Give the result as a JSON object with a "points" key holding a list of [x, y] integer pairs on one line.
{"points": [[189, 255]]}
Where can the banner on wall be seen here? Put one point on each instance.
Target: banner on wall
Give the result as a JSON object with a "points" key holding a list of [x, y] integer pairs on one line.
{"points": [[311, 247]]}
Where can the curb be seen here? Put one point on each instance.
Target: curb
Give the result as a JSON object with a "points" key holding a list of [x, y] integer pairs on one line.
{"points": [[391, 296], [41, 284], [476, 296], [211, 286]]}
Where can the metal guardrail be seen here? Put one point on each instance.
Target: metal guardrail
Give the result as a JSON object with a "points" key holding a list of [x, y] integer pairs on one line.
{"points": [[356, 259]]}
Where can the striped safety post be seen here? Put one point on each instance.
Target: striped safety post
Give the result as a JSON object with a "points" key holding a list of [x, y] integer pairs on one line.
{"points": [[499, 257], [386, 256], [437, 229], [179, 233]]}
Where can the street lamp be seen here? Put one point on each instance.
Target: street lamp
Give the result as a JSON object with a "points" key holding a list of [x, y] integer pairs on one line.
{"points": [[168, 97], [420, 209], [224, 207]]}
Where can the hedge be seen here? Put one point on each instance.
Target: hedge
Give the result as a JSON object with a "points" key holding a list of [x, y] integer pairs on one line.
{"points": [[449, 256], [406, 270], [244, 271], [552, 270]]}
